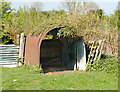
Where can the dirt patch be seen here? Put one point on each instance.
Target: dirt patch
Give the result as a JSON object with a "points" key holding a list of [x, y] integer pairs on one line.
{"points": [[67, 71]]}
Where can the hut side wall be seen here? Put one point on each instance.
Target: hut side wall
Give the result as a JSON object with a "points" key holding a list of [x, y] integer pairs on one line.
{"points": [[31, 50]]}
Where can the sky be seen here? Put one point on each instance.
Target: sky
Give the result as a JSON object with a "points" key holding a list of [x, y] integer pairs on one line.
{"points": [[109, 6]]}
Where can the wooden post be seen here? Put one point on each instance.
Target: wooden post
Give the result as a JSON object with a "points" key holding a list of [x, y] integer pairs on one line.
{"points": [[17, 39], [21, 50]]}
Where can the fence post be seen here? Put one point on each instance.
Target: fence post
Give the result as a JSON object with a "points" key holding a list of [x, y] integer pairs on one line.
{"points": [[21, 50], [17, 39]]}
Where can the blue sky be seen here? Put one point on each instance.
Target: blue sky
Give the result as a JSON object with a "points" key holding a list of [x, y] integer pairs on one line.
{"points": [[108, 6]]}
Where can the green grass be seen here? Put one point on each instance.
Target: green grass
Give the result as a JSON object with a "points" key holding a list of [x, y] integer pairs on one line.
{"points": [[29, 80]]}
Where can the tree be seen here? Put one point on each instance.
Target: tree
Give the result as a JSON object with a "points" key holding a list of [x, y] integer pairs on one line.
{"points": [[114, 19], [5, 11], [79, 7]]}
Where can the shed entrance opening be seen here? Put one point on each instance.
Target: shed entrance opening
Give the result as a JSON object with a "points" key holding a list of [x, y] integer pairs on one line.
{"points": [[51, 54]]}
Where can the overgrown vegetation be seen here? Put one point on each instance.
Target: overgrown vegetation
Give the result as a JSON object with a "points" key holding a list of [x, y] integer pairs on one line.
{"points": [[108, 64], [80, 19]]}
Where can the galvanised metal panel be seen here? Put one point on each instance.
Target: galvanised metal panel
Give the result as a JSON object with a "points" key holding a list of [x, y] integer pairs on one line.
{"points": [[8, 55]]}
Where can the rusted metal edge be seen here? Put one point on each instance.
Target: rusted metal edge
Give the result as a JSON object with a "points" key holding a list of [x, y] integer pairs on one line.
{"points": [[41, 35]]}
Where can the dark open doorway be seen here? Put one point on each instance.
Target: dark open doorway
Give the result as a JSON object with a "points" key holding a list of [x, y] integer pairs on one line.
{"points": [[51, 55]]}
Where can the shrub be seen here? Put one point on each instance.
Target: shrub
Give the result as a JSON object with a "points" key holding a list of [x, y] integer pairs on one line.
{"points": [[37, 69], [108, 64]]}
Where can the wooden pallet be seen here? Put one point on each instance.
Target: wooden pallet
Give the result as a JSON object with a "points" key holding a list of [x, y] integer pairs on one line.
{"points": [[95, 51]]}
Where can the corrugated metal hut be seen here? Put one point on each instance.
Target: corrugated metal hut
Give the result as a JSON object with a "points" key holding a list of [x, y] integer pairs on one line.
{"points": [[55, 53]]}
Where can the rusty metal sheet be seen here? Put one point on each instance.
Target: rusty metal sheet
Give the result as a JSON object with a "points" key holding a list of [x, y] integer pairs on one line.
{"points": [[31, 50]]}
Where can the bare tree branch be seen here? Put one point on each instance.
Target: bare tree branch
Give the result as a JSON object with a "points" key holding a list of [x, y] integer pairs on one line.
{"points": [[38, 5]]}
